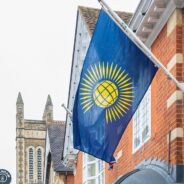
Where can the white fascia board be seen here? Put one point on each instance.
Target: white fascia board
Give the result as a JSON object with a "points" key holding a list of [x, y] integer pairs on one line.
{"points": [[47, 150], [82, 39], [159, 24], [67, 141], [179, 3], [136, 14]]}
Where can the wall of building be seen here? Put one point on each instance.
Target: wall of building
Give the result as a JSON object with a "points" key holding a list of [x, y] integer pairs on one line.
{"points": [[78, 173], [167, 110]]}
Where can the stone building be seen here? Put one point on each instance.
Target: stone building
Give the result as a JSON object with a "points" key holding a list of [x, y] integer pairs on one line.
{"points": [[30, 144], [152, 147]]}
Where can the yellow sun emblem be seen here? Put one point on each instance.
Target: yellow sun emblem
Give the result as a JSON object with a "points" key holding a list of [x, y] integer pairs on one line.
{"points": [[105, 94], [108, 87]]}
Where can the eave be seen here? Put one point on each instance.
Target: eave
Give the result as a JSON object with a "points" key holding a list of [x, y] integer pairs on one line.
{"points": [[151, 16]]}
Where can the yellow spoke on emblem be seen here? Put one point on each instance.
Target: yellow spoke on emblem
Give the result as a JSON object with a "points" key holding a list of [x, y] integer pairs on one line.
{"points": [[92, 76], [107, 70], [87, 82], [122, 79], [86, 85], [94, 73], [97, 72], [119, 77], [100, 69], [117, 74], [114, 71], [110, 71]]}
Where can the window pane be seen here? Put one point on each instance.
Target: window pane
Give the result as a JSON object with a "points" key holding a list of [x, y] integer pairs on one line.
{"points": [[31, 163], [91, 170], [99, 182], [102, 178], [91, 181], [39, 164], [145, 133], [142, 122]]}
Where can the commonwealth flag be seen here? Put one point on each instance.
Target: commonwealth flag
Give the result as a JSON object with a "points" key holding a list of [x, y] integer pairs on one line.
{"points": [[115, 76]]}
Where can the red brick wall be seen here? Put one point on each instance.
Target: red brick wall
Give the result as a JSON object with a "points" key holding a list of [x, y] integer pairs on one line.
{"points": [[70, 179], [78, 175], [163, 119]]}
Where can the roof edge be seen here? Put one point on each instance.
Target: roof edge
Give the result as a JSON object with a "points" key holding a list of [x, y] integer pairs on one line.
{"points": [[151, 16]]}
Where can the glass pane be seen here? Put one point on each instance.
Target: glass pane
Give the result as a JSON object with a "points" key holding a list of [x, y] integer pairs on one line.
{"points": [[91, 170], [91, 181], [136, 142], [145, 133], [99, 180], [102, 178]]}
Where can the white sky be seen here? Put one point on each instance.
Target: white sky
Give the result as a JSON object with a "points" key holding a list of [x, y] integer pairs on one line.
{"points": [[36, 42]]}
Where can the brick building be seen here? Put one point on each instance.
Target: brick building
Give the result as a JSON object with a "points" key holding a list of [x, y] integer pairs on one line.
{"points": [[152, 147]]}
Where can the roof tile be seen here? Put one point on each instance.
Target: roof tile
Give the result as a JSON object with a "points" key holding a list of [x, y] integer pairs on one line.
{"points": [[90, 16], [56, 132]]}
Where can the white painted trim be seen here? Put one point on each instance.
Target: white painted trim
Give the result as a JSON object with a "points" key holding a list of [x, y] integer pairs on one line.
{"points": [[119, 155], [161, 23], [177, 58], [174, 20], [177, 95], [176, 133]]}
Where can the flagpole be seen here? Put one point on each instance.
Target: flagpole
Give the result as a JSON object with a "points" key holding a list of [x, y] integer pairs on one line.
{"points": [[67, 110], [138, 42]]}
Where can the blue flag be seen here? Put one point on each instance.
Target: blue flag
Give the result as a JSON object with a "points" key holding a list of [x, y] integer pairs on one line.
{"points": [[115, 76]]}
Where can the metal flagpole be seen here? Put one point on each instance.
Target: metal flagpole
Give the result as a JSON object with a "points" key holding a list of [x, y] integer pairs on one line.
{"points": [[67, 110], [122, 25]]}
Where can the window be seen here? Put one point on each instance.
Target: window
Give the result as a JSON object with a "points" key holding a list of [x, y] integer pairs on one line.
{"points": [[93, 170], [142, 122], [39, 164], [31, 164]]}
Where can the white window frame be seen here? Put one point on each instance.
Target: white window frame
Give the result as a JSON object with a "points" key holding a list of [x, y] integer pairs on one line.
{"points": [[141, 120], [98, 173]]}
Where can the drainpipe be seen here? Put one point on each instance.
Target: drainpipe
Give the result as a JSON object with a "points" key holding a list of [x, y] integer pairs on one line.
{"points": [[65, 182], [169, 153]]}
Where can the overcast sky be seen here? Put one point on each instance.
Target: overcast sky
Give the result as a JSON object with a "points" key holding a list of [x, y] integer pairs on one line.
{"points": [[36, 42]]}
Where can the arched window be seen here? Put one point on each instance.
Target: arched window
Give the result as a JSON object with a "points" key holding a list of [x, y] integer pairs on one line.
{"points": [[31, 163], [39, 164]]}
